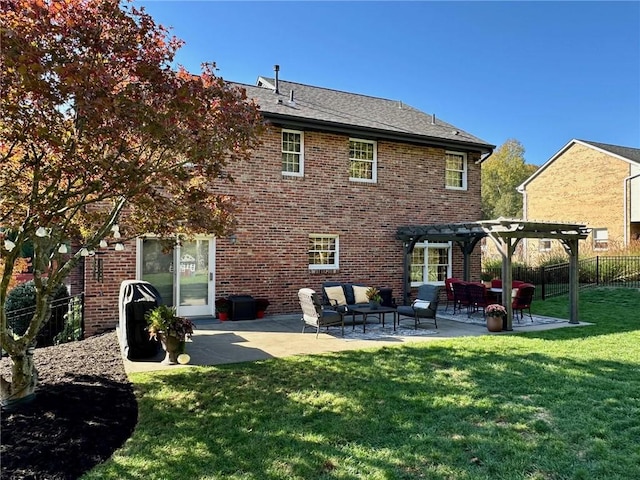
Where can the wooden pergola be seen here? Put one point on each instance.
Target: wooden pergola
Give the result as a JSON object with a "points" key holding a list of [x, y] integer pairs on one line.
{"points": [[506, 233]]}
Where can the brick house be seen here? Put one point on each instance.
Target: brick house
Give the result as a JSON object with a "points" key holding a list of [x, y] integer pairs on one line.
{"points": [[591, 183], [320, 200]]}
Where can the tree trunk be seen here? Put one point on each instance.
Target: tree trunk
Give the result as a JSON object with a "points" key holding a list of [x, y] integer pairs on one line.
{"points": [[24, 378]]}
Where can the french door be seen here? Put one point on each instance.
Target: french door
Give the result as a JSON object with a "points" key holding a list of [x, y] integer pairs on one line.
{"points": [[184, 276]]}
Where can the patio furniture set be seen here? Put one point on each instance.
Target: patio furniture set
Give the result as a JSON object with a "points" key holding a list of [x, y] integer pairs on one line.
{"points": [[476, 296], [348, 301]]}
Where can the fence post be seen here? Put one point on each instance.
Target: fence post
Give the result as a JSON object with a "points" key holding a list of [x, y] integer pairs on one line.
{"points": [[597, 270], [544, 277]]}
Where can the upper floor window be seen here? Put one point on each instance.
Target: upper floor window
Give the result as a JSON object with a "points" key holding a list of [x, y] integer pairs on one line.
{"points": [[456, 170], [545, 245], [430, 263], [362, 160], [292, 152], [323, 252], [600, 239]]}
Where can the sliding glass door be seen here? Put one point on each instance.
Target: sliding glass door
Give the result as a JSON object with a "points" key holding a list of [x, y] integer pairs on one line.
{"points": [[183, 275]]}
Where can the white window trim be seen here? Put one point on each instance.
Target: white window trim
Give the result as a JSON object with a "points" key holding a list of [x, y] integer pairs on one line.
{"points": [[374, 167], [334, 266], [449, 266], [595, 240], [464, 170], [542, 248], [301, 172]]}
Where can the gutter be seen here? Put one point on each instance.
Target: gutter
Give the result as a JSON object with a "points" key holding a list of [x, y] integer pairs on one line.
{"points": [[373, 133]]}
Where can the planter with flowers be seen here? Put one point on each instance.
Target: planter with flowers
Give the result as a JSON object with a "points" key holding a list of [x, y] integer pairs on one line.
{"points": [[170, 330], [223, 305], [486, 278], [373, 294], [495, 314]]}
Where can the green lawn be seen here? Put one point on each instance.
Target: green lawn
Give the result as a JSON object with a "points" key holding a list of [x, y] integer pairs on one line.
{"points": [[560, 404]]}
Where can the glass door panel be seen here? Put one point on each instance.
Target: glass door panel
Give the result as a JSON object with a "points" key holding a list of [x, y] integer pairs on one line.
{"points": [[194, 277], [157, 268]]}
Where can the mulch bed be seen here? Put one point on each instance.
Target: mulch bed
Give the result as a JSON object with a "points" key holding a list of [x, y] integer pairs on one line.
{"points": [[85, 409]]}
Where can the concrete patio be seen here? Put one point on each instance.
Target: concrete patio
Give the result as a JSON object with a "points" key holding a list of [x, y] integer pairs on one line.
{"points": [[215, 342]]}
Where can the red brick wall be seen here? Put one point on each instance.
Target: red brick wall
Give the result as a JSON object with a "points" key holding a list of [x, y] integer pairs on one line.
{"points": [[278, 213]]}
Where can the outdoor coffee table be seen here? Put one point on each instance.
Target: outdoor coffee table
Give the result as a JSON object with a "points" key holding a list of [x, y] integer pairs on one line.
{"points": [[365, 311]]}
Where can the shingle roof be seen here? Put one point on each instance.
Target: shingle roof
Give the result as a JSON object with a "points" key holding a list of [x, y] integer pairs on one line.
{"points": [[629, 153], [357, 114]]}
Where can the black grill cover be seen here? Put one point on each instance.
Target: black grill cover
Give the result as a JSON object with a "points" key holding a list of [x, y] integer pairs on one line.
{"points": [[137, 298]]}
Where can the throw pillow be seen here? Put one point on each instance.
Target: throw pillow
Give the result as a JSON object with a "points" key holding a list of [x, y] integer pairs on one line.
{"points": [[335, 293], [421, 304], [360, 294]]}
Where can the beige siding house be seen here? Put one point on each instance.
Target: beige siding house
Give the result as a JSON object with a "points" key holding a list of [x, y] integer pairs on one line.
{"points": [[590, 183]]}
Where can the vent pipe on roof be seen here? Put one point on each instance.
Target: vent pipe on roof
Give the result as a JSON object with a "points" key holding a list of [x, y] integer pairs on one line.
{"points": [[291, 96], [276, 68], [433, 119]]}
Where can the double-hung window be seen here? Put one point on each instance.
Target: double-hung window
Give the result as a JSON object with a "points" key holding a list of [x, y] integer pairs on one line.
{"points": [[600, 239], [430, 263], [323, 252], [545, 245], [363, 160], [292, 153], [456, 170]]}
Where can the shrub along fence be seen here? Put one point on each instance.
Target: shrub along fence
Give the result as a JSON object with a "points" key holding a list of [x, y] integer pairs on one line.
{"points": [[553, 280], [65, 324]]}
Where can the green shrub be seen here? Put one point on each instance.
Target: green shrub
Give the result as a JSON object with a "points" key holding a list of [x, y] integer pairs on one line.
{"points": [[20, 307]]}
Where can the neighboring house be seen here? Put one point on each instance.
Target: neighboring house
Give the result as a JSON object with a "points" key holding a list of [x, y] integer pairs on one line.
{"points": [[591, 183], [320, 200]]}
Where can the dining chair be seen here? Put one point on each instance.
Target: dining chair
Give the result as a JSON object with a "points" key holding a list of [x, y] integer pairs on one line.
{"points": [[448, 286], [522, 299]]}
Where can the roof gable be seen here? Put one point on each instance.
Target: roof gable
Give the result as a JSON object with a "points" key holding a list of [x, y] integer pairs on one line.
{"points": [[357, 114], [626, 154]]}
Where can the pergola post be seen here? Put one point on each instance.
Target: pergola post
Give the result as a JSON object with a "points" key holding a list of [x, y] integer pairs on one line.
{"points": [[571, 247]]}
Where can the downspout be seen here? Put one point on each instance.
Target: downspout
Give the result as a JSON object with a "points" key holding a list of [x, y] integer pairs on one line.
{"points": [[625, 209], [525, 247]]}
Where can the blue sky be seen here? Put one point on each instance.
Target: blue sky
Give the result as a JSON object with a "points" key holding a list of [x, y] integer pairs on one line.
{"points": [[540, 72]]}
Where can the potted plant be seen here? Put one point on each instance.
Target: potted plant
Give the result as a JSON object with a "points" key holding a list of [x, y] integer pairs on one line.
{"points": [[496, 314], [171, 330], [486, 278], [222, 307], [261, 306], [373, 294]]}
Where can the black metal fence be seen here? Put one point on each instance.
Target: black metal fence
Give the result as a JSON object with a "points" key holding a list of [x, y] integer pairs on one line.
{"points": [[553, 280], [65, 324]]}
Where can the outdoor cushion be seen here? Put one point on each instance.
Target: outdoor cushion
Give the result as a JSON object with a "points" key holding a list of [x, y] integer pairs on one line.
{"points": [[421, 304], [337, 294], [360, 294]]}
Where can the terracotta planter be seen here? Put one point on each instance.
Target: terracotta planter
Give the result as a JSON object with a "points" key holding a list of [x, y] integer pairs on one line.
{"points": [[260, 314], [494, 323], [223, 316]]}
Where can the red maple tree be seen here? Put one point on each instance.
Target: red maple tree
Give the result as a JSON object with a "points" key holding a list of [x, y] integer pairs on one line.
{"points": [[96, 122]]}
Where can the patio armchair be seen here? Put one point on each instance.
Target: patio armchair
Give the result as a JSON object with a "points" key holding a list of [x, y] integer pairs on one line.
{"points": [[424, 306], [314, 314], [522, 299]]}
